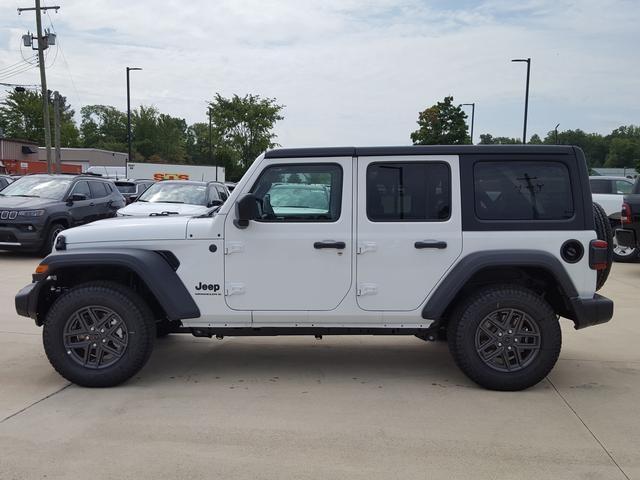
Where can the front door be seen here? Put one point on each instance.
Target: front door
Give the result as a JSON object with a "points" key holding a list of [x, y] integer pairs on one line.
{"points": [[82, 211], [297, 256], [409, 228]]}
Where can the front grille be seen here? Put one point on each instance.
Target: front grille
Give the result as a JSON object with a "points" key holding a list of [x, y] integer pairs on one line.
{"points": [[8, 214]]}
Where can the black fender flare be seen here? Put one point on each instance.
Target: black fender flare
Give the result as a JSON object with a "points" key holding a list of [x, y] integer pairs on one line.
{"points": [[463, 271], [152, 267]]}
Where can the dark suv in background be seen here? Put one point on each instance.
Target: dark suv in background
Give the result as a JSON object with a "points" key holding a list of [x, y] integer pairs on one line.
{"points": [[35, 208]]}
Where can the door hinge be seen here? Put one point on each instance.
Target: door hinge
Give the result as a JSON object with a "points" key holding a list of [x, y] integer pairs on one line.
{"points": [[367, 289], [367, 247], [233, 289], [233, 247]]}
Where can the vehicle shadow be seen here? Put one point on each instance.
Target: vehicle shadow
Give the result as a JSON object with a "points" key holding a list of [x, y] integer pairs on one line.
{"points": [[302, 359], [9, 255]]}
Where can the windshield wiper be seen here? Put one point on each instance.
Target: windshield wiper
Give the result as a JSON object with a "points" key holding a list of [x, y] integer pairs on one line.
{"points": [[140, 200], [169, 201], [28, 196]]}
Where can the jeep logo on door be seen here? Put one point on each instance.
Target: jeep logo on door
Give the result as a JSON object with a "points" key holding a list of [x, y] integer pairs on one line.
{"points": [[208, 289]]}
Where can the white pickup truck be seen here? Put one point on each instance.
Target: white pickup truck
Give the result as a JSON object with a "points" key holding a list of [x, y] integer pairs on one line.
{"points": [[607, 191]]}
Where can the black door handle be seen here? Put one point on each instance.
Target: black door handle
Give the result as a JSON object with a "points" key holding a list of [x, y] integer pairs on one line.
{"points": [[338, 245], [439, 244]]}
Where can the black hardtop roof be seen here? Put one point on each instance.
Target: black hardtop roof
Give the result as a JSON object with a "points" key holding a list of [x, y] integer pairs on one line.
{"points": [[419, 150]]}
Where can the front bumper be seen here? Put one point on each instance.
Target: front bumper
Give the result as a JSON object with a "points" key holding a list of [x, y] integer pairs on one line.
{"points": [[591, 311], [27, 301], [626, 237], [12, 238]]}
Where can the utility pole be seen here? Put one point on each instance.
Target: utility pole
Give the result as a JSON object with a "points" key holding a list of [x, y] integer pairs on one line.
{"points": [[526, 96], [210, 144], [56, 129], [126, 165], [473, 116], [42, 45]]}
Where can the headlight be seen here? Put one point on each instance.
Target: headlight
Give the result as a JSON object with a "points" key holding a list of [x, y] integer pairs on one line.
{"points": [[31, 213]]}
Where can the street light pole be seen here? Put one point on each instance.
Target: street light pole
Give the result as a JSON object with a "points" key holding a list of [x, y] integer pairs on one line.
{"points": [[126, 164], [556, 129], [473, 114], [526, 96]]}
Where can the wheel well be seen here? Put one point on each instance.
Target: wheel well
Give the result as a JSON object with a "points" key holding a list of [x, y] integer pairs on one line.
{"points": [[537, 279], [68, 277], [61, 221]]}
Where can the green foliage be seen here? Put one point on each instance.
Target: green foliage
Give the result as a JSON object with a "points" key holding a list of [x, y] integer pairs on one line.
{"points": [[21, 117], [244, 126], [535, 139], [103, 126], [441, 124], [488, 139]]}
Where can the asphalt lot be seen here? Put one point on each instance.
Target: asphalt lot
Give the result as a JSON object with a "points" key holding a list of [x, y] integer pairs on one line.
{"points": [[343, 407]]}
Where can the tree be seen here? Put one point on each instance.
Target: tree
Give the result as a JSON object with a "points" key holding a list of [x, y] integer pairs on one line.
{"points": [[21, 117], [623, 152], [594, 145], [441, 124], [488, 139], [244, 126], [103, 126], [535, 139]]}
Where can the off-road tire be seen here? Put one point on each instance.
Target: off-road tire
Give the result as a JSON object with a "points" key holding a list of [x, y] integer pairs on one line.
{"points": [[603, 232], [128, 305], [49, 239], [466, 320]]}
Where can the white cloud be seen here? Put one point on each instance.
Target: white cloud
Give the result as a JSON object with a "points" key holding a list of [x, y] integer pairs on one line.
{"points": [[352, 71]]}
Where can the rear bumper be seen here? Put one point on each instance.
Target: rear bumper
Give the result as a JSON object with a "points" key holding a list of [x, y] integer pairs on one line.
{"points": [[591, 311], [626, 237]]}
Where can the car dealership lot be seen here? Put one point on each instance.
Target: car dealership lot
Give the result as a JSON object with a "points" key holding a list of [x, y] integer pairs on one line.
{"points": [[342, 407]]}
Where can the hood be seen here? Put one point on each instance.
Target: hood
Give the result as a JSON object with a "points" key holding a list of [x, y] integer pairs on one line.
{"points": [[26, 203], [123, 229], [144, 209]]}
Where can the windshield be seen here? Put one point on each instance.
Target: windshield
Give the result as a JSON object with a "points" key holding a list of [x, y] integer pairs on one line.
{"points": [[126, 187], [43, 187], [175, 193], [302, 197]]}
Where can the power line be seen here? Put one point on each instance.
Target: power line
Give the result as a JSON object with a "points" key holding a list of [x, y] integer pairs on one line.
{"points": [[18, 72], [9, 67]]}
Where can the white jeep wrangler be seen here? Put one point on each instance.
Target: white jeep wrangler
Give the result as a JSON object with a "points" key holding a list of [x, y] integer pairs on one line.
{"points": [[486, 246]]}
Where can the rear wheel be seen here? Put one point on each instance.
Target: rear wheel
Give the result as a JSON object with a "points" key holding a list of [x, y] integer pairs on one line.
{"points": [[505, 338], [624, 254], [98, 334]]}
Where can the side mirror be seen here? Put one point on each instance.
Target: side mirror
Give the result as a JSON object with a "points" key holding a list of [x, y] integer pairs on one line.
{"points": [[246, 210], [215, 203], [76, 197]]}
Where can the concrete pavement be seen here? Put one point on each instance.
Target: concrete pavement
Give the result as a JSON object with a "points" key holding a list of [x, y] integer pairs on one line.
{"points": [[342, 407]]}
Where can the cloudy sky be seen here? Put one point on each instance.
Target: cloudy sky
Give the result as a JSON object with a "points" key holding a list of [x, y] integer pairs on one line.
{"points": [[348, 71]]}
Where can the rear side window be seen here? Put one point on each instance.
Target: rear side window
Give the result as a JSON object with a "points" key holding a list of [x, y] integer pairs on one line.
{"points": [[522, 191], [600, 186], [408, 192], [98, 189]]}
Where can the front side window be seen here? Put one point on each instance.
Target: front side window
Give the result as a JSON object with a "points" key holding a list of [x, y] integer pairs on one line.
{"points": [[408, 192], [520, 190], [300, 193], [82, 188]]}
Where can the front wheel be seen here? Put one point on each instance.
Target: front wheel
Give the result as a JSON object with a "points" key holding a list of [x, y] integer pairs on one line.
{"points": [[98, 334], [505, 338]]}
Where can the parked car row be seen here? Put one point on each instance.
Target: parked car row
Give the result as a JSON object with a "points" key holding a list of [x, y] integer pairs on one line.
{"points": [[36, 208], [608, 192]]}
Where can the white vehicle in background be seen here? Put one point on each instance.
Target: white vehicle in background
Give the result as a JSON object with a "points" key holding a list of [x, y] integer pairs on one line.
{"points": [[114, 173], [180, 197], [607, 191], [163, 171]]}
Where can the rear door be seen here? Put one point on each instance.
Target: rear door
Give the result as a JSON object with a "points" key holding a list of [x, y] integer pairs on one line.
{"points": [[101, 200], [408, 228]]}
